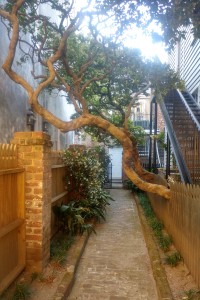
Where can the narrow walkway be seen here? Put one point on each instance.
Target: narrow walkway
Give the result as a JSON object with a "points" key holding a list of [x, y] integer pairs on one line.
{"points": [[115, 264]]}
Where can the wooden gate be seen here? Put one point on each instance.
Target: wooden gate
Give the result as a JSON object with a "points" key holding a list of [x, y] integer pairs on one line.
{"points": [[12, 224]]}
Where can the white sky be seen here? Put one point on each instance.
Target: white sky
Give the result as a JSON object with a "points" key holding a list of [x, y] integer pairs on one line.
{"points": [[134, 38], [148, 48]]}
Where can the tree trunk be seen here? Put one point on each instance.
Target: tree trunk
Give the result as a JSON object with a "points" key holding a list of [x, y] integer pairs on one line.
{"points": [[130, 153]]}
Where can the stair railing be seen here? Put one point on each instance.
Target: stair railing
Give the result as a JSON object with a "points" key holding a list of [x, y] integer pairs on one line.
{"points": [[184, 172], [189, 110]]}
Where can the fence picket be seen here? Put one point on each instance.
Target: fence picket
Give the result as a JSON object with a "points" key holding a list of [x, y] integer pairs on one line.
{"points": [[8, 156], [12, 224], [182, 221]]}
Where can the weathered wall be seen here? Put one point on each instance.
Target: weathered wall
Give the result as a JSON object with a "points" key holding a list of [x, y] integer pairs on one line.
{"points": [[14, 103], [12, 99]]}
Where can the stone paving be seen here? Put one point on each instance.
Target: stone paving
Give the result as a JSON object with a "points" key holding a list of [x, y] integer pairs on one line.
{"points": [[115, 264]]}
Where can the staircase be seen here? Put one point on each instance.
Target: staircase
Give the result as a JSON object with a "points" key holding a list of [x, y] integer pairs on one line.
{"points": [[182, 118]]}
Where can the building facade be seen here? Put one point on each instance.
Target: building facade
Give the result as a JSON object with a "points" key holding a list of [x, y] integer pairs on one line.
{"points": [[185, 59], [15, 111]]}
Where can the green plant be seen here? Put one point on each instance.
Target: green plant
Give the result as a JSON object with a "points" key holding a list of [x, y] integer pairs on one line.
{"points": [[161, 140], [173, 259], [146, 206], [84, 181], [34, 276], [71, 219], [22, 291], [85, 173], [156, 225], [129, 185], [164, 240], [192, 294], [104, 160], [59, 248]]}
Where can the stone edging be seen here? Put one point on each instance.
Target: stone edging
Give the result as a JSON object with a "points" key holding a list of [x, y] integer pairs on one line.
{"points": [[162, 285], [73, 256]]}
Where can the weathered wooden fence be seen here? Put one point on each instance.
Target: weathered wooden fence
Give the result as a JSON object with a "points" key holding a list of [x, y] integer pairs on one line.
{"points": [[27, 195], [181, 217], [12, 224], [59, 193]]}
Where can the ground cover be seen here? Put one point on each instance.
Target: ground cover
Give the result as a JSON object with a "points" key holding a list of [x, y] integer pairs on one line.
{"points": [[181, 283]]}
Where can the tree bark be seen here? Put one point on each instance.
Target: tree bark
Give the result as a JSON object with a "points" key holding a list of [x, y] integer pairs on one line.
{"points": [[129, 148], [131, 163]]}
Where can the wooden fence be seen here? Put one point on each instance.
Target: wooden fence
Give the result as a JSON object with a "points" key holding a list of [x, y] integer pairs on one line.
{"points": [[59, 193], [12, 224], [181, 217]]}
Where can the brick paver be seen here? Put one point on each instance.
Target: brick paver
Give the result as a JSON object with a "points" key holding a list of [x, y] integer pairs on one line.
{"points": [[115, 264]]}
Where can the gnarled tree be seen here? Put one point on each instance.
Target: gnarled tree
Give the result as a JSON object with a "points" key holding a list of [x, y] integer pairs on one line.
{"points": [[100, 78]]}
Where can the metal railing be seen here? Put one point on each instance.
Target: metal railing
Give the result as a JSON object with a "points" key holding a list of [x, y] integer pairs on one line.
{"points": [[182, 121]]}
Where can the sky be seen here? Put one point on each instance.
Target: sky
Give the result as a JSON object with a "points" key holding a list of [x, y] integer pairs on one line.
{"points": [[137, 39], [145, 43]]}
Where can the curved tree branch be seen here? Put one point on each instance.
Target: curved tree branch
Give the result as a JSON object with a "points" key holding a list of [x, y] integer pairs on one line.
{"points": [[131, 167]]}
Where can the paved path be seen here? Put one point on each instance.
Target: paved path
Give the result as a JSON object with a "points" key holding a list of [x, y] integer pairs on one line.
{"points": [[115, 264]]}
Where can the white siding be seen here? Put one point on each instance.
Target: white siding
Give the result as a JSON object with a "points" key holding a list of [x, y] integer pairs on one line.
{"points": [[186, 59]]}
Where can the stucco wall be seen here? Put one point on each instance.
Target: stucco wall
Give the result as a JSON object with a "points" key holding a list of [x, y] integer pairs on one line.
{"points": [[14, 103], [13, 99]]}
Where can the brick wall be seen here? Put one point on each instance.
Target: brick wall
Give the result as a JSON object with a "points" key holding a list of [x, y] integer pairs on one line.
{"points": [[34, 150]]}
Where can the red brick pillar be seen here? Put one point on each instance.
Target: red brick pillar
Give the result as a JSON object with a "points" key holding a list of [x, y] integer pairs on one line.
{"points": [[34, 150]]}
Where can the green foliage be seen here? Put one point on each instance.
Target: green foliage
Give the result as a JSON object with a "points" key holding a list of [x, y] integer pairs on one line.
{"points": [[34, 276], [22, 291], [85, 174], [80, 165], [174, 259], [59, 248], [164, 240], [101, 136], [104, 160], [71, 218], [156, 225], [161, 140], [173, 16], [84, 181], [98, 75], [129, 185], [192, 294]]}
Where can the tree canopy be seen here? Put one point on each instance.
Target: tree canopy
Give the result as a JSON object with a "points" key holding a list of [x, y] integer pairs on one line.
{"points": [[101, 78], [173, 15]]}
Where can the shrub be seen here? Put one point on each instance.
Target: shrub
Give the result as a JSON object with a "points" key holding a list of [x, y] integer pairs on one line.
{"points": [[87, 199], [173, 259], [84, 173], [22, 291]]}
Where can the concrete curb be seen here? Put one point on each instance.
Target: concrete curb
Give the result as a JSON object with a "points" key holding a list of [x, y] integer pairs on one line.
{"points": [[73, 256], [162, 285]]}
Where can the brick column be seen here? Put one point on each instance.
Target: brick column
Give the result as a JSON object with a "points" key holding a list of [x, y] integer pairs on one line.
{"points": [[35, 156]]}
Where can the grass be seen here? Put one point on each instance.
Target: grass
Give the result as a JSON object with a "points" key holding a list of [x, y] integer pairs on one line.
{"points": [[59, 248], [192, 294], [22, 291], [163, 239], [173, 259]]}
